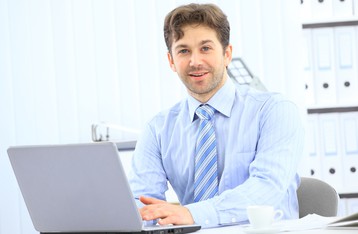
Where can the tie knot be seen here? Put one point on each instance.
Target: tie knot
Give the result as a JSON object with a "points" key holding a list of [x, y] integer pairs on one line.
{"points": [[205, 112]]}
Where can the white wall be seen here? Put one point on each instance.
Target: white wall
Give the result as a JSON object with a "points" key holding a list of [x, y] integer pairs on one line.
{"points": [[67, 64]]}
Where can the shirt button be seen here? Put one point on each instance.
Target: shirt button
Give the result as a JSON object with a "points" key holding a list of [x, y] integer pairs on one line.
{"points": [[207, 221], [233, 220]]}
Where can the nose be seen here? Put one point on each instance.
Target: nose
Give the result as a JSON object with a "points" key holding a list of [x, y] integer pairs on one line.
{"points": [[195, 59]]}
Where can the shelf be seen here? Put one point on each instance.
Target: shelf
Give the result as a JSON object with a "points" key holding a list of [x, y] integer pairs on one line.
{"points": [[348, 195], [352, 21], [323, 110]]}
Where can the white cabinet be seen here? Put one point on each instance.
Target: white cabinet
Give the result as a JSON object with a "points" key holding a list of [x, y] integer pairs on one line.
{"points": [[330, 59]]}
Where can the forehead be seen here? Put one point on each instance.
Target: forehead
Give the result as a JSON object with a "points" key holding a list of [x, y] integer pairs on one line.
{"points": [[194, 34]]}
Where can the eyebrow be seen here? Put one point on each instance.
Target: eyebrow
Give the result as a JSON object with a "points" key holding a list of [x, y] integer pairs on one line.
{"points": [[180, 46], [206, 41]]}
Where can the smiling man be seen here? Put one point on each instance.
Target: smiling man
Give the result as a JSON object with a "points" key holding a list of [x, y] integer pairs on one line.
{"points": [[221, 148]]}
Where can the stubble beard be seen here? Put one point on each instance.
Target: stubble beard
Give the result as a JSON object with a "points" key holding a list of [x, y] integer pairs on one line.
{"points": [[210, 85]]}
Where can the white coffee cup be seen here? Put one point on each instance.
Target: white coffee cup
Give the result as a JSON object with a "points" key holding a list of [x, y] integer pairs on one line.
{"points": [[263, 216]]}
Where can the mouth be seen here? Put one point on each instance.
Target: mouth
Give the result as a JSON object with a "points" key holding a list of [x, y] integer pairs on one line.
{"points": [[198, 75]]}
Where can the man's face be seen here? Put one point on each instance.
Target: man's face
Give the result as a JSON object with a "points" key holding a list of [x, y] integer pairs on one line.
{"points": [[200, 61]]}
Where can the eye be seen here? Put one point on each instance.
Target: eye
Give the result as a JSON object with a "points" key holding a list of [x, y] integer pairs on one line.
{"points": [[205, 48], [183, 51]]}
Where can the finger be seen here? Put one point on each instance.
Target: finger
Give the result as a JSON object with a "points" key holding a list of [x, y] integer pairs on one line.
{"points": [[148, 212], [151, 212], [150, 200], [180, 215], [174, 219], [168, 220]]}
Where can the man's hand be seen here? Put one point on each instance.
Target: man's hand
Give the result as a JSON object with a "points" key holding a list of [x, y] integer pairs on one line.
{"points": [[166, 213]]}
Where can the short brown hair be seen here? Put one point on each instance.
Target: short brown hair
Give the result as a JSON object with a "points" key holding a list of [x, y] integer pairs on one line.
{"points": [[202, 14]]}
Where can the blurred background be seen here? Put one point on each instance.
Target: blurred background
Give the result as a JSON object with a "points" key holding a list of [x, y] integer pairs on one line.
{"points": [[69, 65]]}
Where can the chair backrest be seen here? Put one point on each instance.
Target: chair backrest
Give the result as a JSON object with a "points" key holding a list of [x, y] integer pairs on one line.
{"points": [[316, 197]]}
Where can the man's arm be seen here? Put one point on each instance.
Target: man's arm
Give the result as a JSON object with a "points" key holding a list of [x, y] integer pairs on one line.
{"points": [[147, 176]]}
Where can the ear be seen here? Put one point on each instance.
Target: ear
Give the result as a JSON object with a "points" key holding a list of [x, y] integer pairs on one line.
{"points": [[228, 55], [171, 62]]}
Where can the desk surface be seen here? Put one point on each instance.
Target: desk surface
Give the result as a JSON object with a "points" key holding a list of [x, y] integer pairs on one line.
{"points": [[240, 230]]}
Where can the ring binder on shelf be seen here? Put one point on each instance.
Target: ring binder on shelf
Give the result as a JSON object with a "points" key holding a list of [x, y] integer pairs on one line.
{"points": [[346, 65], [323, 54], [332, 172], [349, 136]]}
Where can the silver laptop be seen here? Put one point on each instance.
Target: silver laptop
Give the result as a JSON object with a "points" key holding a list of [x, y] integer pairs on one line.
{"points": [[79, 188]]}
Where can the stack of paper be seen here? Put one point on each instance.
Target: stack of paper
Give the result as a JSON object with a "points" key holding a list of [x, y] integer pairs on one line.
{"points": [[314, 221]]}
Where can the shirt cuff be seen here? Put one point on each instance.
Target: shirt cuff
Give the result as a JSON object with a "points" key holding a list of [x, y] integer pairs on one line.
{"points": [[204, 214]]}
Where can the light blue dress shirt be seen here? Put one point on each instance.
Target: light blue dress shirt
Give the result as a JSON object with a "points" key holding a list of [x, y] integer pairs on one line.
{"points": [[259, 142]]}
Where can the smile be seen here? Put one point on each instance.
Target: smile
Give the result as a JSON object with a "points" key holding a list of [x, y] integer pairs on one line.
{"points": [[198, 74]]}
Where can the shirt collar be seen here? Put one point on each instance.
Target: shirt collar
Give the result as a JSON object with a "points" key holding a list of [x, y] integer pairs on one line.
{"points": [[222, 101]]}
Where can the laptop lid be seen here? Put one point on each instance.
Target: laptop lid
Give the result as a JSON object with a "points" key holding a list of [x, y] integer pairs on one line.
{"points": [[76, 188]]}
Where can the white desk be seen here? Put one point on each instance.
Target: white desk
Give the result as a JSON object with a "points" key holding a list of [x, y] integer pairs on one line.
{"points": [[240, 230], [311, 224]]}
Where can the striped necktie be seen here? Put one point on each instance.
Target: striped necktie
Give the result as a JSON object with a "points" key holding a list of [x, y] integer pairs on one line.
{"points": [[206, 175]]}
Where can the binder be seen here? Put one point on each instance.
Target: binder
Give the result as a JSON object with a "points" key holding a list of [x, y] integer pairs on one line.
{"points": [[342, 207], [352, 205], [306, 10], [355, 7], [323, 55], [322, 9], [332, 171], [346, 65], [312, 162], [342, 9], [308, 68], [349, 146]]}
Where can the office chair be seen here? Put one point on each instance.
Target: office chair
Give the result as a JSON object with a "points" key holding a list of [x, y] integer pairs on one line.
{"points": [[316, 197]]}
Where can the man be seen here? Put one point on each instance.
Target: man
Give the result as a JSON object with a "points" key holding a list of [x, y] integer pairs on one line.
{"points": [[255, 138]]}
